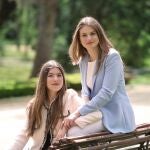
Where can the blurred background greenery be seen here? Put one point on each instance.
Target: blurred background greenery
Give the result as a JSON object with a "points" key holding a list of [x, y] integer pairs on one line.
{"points": [[34, 31]]}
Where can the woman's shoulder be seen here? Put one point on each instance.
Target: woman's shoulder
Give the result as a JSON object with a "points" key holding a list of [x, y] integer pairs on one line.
{"points": [[71, 92], [71, 96], [113, 51], [112, 54], [30, 103]]}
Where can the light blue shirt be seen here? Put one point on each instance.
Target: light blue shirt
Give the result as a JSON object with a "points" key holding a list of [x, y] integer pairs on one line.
{"points": [[108, 94]]}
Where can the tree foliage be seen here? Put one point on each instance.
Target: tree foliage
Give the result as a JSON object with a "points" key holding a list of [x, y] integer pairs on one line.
{"points": [[35, 22], [126, 23]]}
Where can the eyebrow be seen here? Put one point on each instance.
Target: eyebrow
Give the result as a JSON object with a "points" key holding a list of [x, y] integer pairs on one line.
{"points": [[54, 73], [93, 31]]}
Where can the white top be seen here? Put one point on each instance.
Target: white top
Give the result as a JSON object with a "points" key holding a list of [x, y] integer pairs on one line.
{"points": [[90, 72]]}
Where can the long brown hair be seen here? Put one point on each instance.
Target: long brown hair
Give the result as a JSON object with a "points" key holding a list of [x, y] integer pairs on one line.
{"points": [[77, 51], [41, 95]]}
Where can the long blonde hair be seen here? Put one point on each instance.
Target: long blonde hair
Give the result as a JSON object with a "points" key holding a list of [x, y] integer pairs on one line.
{"points": [[77, 51], [41, 95]]}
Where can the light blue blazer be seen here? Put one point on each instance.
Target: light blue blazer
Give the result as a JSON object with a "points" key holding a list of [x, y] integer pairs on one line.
{"points": [[108, 94]]}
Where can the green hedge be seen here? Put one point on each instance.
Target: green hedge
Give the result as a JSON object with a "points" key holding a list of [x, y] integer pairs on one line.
{"points": [[13, 88], [22, 88], [76, 86], [16, 92]]}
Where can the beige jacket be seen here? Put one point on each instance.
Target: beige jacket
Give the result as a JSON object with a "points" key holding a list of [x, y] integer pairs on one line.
{"points": [[71, 102]]}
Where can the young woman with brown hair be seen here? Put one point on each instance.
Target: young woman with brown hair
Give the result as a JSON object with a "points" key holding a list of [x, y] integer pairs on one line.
{"points": [[102, 78], [46, 111]]}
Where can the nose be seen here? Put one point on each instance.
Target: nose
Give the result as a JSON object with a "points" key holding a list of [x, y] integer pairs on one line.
{"points": [[55, 78], [89, 38]]}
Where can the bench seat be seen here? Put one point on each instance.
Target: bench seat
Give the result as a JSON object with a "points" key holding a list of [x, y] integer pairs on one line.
{"points": [[136, 140]]}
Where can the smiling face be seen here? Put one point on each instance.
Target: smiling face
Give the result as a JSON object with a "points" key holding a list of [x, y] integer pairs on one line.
{"points": [[88, 37], [54, 80]]}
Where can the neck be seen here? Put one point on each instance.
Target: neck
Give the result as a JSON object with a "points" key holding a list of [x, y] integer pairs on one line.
{"points": [[93, 53], [52, 96]]}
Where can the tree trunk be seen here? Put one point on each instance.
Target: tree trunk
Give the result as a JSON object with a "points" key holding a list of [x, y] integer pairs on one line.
{"points": [[46, 17]]}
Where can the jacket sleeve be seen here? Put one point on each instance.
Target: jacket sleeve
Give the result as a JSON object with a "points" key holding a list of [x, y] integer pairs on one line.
{"points": [[85, 120], [73, 101], [112, 75]]}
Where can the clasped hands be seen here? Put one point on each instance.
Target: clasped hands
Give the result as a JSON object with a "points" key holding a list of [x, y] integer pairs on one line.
{"points": [[70, 120], [66, 125]]}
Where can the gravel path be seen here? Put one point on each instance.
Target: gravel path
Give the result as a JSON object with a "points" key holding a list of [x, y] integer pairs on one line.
{"points": [[12, 111]]}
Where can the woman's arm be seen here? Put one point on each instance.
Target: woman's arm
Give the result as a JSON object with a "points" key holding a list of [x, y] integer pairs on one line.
{"points": [[90, 118], [112, 75], [75, 119], [70, 120]]}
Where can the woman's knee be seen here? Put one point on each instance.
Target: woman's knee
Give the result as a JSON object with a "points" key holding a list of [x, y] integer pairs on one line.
{"points": [[74, 131]]}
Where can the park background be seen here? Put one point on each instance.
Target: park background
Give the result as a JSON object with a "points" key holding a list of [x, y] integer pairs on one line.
{"points": [[34, 31]]}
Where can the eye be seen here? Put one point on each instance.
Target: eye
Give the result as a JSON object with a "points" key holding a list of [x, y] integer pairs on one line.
{"points": [[59, 75], [50, 75], [93, 33], [83, 35]]}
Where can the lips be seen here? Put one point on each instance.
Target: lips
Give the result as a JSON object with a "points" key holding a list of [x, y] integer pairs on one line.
{"points": [[89, 42], [55, 84]]}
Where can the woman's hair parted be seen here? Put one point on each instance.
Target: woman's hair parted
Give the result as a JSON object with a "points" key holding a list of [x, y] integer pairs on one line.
{"points": [[41, 95], [77, 51]]}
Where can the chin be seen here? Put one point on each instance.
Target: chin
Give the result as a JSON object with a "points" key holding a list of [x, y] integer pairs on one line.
{"points": [[57, 89]]}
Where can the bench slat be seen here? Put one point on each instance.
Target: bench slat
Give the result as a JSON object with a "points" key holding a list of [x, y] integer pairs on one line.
{"points": [[138, 138]]}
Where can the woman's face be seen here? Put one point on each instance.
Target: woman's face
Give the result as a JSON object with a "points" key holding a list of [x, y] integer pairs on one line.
{"points": [[54, 80], [88, 37]]}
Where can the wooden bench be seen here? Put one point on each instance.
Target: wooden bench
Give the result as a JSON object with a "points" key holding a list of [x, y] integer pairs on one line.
{"points": [[136, 140]]}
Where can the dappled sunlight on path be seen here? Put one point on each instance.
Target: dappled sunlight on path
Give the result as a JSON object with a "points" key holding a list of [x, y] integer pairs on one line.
{"points": [[140, 99], [12, 116], [12, 112], [142, 114], [10, 123]]}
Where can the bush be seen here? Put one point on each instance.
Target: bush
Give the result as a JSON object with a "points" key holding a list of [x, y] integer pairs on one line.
{"points": [[14, 88], [73, 81], [76, 86], [17, 88]]}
